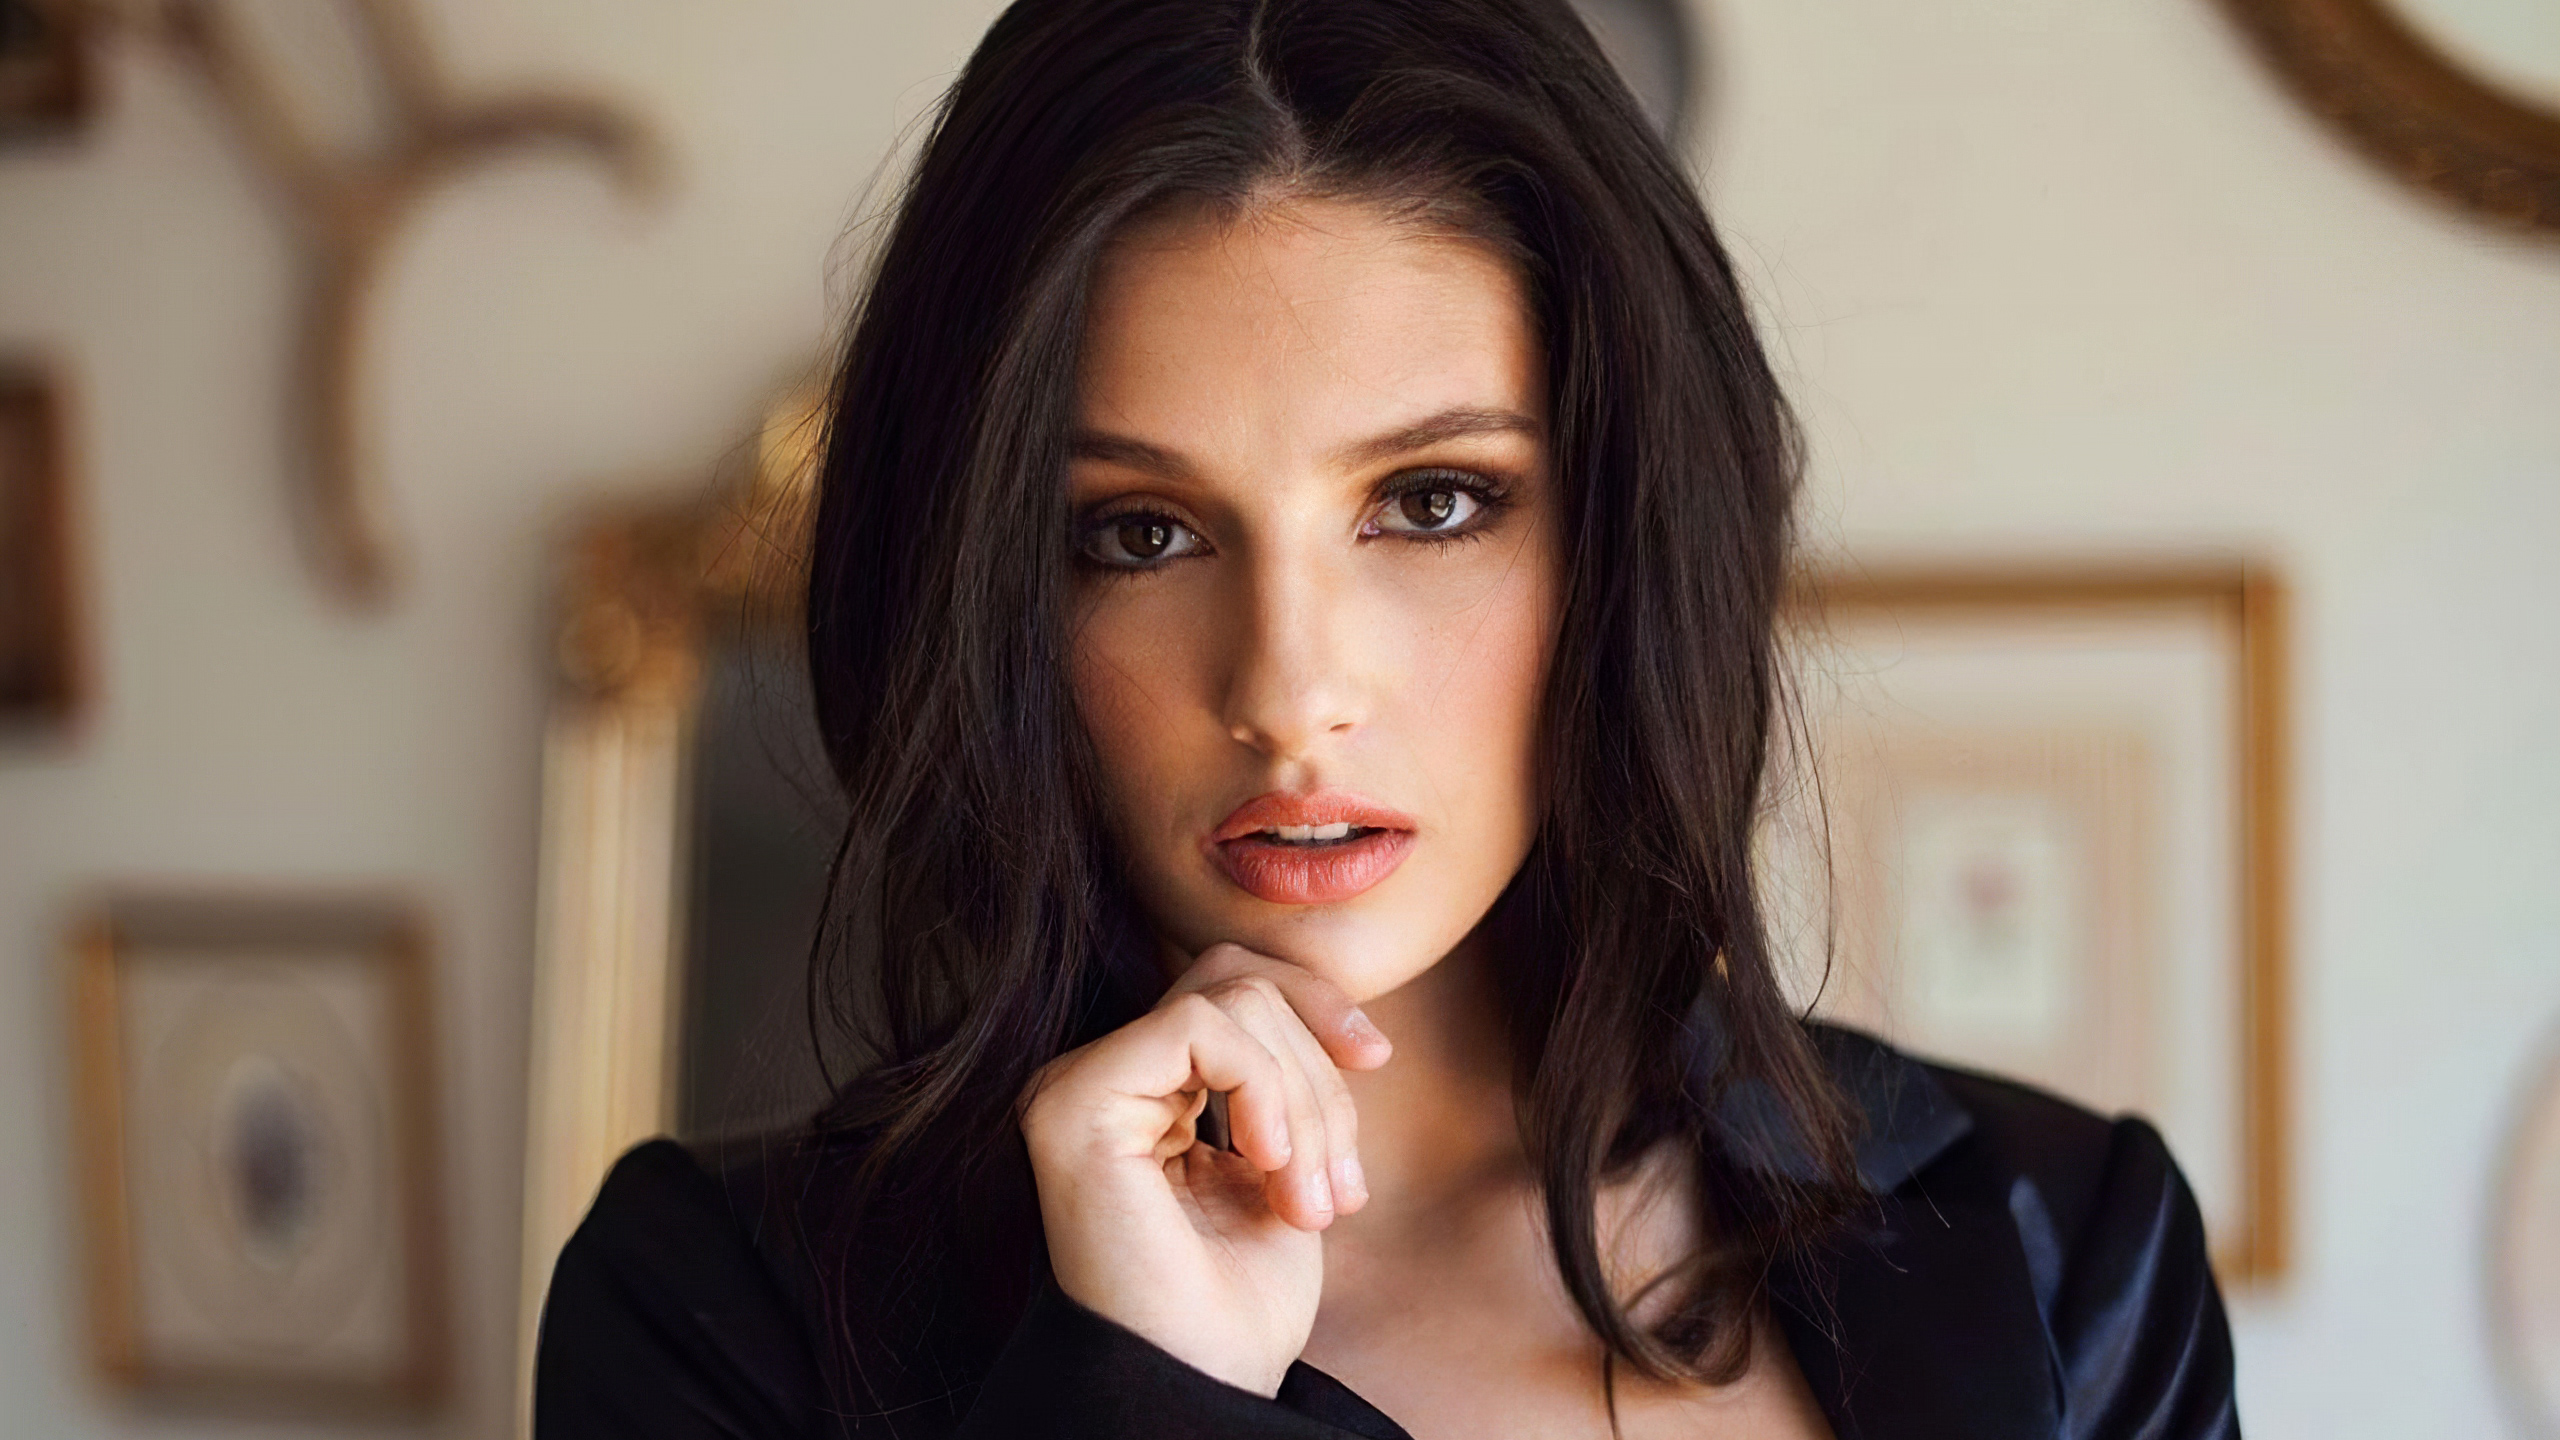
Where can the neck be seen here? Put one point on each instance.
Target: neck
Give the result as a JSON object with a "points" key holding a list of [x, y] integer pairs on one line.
{"points": [[1437, 1121]]}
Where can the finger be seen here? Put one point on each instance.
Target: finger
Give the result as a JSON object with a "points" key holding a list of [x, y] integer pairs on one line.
{"points": [[1347, 1034], [1341, 1121], [1300, 1192], [1189, 1044]]}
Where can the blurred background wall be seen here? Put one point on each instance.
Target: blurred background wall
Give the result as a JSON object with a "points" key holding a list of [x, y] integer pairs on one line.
{"points": [[2048, 277]]}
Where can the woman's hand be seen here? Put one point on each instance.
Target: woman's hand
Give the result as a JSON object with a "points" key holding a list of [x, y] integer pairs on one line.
{"points": [[1213, 1256]]}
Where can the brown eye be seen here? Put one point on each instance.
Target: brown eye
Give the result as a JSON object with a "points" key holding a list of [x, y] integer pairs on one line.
{"points": [[1138, 542], [1145, 539], [1429, 509]]}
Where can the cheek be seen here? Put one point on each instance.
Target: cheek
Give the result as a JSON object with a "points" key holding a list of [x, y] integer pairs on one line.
{"points": [[1474, 696], [1133, 667]]}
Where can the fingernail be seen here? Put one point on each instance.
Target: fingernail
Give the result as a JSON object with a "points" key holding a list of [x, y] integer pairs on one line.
{"points": [[1355, 1185], [1319, 1194], [1361, 1027]]}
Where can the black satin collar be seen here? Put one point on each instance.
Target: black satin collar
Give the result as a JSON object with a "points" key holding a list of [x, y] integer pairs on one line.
{"points": [[1907, 1119]]}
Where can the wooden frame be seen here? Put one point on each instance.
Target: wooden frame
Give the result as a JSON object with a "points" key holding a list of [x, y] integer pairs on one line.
{"points": [[48, 74], [2411, 109], [641, 591], [2523, 1254], [40, 673], [145, 1337], [2250, 602]]}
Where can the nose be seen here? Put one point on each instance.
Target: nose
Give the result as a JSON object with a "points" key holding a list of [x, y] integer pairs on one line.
{"points": [[1296, 678]]}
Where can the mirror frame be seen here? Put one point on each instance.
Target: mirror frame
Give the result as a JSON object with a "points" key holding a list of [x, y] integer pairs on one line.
{"points": [[2408, 107], [642, 590]]}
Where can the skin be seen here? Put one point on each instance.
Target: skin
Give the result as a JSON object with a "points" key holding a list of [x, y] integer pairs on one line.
{"points": [[1285, 415]]}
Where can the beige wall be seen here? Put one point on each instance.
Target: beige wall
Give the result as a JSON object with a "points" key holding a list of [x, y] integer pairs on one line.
{"points": [[2048, 274]]}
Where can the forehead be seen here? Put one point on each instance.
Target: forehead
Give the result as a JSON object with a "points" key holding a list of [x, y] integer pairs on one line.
{"points": [[1304, 322]]}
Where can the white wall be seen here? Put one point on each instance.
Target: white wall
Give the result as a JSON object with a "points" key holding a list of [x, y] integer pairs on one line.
{"points": [[2046, 273]]}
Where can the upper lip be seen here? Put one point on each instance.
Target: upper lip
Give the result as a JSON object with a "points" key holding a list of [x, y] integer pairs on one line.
{"points": [[1324, 807]]}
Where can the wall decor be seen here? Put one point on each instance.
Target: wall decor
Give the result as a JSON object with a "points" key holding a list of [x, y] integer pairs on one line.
{"points": [[46, 76], [2042, 835], [259, 1170], [2524, 1258], [39, 671], [684, 817], [342, 106], [2381, 74]]}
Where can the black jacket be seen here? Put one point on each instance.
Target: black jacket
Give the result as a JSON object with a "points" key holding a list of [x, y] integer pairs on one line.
{"points": [[2034, 1271]]}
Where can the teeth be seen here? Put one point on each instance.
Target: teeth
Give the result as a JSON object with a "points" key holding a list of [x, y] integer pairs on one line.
{"points": [[1310, 834]]}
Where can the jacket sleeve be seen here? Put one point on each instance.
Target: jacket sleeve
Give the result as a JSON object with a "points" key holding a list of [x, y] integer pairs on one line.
{"points": [[1069, 1374], [2138, 1327], [663, 1323]]}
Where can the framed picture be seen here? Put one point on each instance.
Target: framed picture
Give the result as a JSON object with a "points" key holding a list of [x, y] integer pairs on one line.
{"points": [[260, 1167], [39, 681], [2041, 835], [45, 70], [2524, 1260]]}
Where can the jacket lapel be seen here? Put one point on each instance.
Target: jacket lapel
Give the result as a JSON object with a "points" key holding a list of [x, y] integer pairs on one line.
{"points": [[1924, 1323]]}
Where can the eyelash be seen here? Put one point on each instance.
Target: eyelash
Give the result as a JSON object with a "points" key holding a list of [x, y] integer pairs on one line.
{"points": [[1492, 497]]}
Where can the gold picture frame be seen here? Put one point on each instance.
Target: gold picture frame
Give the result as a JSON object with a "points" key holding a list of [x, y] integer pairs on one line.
{"points": [[40, 672], [259, 1163], [2092, 760], [48, 71], [2523, 1255]]}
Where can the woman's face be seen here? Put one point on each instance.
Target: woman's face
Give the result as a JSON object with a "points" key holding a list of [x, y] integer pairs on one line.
{"points": [[1317, 581]]}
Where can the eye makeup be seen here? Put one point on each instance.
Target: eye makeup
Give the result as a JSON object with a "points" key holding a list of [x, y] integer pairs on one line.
{"points": [[1430, 505]]}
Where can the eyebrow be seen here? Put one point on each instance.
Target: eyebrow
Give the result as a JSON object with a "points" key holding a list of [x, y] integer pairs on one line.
{"points": [[1453, 424]]}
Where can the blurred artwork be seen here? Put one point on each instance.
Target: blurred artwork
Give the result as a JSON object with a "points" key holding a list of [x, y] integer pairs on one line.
{"points": [[37, 674], [2525, 1278], [44, 68], [261, 1175], [2456, 98], [345, 106], [2036, 838]]}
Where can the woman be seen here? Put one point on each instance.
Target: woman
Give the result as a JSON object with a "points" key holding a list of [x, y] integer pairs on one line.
{"points": [[1291, 611]]}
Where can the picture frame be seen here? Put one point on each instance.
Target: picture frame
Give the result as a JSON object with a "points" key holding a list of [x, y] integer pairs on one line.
{"points": [[40, 675], [47, 72], [259, 1166], [2041, 833], [2523, 1256]]}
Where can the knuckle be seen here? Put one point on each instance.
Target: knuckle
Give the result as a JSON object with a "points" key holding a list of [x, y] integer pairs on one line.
{"points": [[1247, 996], [1264, 988], [1222, 959]]}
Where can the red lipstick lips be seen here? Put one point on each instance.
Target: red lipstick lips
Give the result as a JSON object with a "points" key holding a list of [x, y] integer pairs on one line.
{"points": [[1310, 849]]}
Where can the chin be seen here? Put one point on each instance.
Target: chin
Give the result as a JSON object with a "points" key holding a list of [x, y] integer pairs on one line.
{"points": [[1367, 949]]}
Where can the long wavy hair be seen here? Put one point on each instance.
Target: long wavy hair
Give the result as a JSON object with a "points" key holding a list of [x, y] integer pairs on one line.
{"points": [[979, 923]]}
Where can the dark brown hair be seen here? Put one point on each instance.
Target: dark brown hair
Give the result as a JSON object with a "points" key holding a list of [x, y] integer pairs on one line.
{"points": [[979, 924]]}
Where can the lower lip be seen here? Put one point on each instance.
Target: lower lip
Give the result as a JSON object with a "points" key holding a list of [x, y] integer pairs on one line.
{"points": [[1312, 874]]}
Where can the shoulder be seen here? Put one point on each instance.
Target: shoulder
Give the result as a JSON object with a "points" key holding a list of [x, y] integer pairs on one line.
{"points": [[1919, 1115], [664, 1319], [2090, 1210]]}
